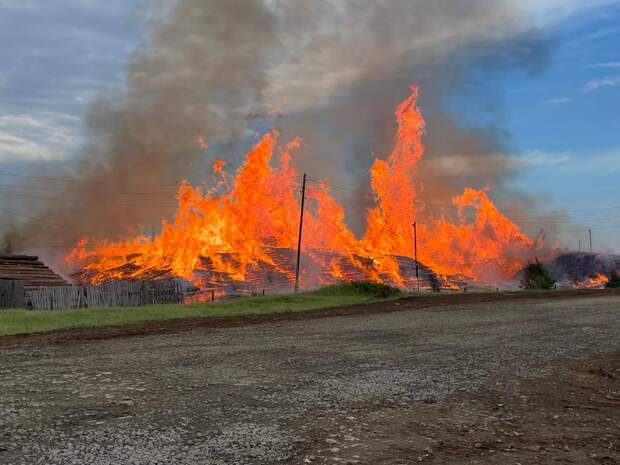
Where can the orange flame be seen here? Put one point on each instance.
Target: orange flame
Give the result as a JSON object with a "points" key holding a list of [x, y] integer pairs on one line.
{"points": [[218, 167], [234, 233], [599, 281]]}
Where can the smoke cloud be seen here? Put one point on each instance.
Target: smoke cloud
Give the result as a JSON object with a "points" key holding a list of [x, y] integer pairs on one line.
{"points": [[331, 70]]}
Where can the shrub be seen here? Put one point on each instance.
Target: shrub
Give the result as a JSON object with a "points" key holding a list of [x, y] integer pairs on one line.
{"points": [[537, 276], [614, 280], [374, 289], [369, 288]]}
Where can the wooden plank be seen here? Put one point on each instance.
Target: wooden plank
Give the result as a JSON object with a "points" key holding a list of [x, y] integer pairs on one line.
{"points": [[18, 257]]}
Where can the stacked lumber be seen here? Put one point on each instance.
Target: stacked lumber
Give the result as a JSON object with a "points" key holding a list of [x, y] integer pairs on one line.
{"points": [[270, 277], [29, 269], [127, 271], [316, 270], [276, 273]]}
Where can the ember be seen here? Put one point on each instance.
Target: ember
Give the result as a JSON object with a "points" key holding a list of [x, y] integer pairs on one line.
{"points": [[248, 234]]}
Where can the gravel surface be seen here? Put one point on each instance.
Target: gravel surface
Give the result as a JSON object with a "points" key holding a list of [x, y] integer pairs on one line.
{"points": [[524, 381]]}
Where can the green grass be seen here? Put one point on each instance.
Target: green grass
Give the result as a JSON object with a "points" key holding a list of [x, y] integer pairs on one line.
{"points": [[14, 322]]}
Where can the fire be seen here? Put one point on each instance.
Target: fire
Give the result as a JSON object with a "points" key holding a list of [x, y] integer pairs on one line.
{"points": [[239, 231], [599, 281], [485, 248], [219, 166]]}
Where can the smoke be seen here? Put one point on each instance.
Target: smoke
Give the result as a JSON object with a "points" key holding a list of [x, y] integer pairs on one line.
{"points": [[357, 64], [332, 70]]}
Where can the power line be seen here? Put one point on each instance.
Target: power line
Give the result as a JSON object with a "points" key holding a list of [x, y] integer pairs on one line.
{"points": [[86, 202], [370, 195], [83, 191], [362, 205], [373, 196], [49, 223], [106, 183], [359, 204]]}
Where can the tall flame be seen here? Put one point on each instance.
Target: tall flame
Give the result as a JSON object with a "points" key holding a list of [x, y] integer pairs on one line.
{"points": [[237, 221]]}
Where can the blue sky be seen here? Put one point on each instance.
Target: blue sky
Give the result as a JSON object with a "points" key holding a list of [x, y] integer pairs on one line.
{"points": [[58, 55], [565, 123]]}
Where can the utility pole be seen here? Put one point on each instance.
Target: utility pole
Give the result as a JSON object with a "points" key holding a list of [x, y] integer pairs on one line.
{"points": [[579, 245], [590, 234], [415, 254], [301, 227]]}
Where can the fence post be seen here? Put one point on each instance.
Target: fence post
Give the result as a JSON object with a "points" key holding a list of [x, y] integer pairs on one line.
{"points": [[415, 254]]}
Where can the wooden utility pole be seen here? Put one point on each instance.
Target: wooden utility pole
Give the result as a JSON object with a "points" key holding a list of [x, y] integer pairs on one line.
{"points": [[590, 234], [579, 245], [415, 254], [301, 227]]}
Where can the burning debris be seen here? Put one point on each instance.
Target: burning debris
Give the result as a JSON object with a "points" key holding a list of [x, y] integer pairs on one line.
{"points": [[278, 275], [244, 229], [586, 270]]}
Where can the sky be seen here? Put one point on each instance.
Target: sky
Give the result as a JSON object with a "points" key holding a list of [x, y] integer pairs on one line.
{"points": [[563, 122]]}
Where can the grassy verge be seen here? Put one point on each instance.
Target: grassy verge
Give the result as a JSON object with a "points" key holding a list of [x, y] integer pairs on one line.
{"points": [[14, 322]]}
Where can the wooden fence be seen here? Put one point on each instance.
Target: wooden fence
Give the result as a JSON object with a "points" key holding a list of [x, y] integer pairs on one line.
{"points": [[111, 294], [12, 294]]}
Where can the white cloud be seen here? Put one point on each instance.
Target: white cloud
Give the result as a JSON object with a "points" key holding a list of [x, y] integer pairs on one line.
{"points": [[596, 84], [39, 136], [596, 163], [535, 158]]}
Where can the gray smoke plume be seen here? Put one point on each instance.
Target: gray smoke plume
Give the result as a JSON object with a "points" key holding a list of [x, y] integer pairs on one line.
{"points": [[332, 70]]}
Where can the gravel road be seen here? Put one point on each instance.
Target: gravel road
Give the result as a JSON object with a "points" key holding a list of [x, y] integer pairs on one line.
{"points": [[498, 382]]}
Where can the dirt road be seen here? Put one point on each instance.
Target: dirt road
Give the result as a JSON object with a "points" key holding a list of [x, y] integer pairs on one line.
{"points": [[505, 381]]}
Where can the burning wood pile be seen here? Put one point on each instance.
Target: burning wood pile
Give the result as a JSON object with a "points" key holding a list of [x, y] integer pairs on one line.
{"points": [[584, 270], [243, 229], [278, 274]]}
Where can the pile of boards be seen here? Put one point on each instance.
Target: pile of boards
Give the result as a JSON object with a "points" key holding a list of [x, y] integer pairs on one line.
{"points": [[276, 273], [31, 271]]}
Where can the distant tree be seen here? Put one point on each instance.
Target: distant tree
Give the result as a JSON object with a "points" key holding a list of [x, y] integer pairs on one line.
{"points": [[537, 276], [614, 280]]}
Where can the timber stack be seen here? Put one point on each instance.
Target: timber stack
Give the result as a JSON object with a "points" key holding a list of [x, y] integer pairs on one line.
{"points": [[29, 270], [276, 274]]}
